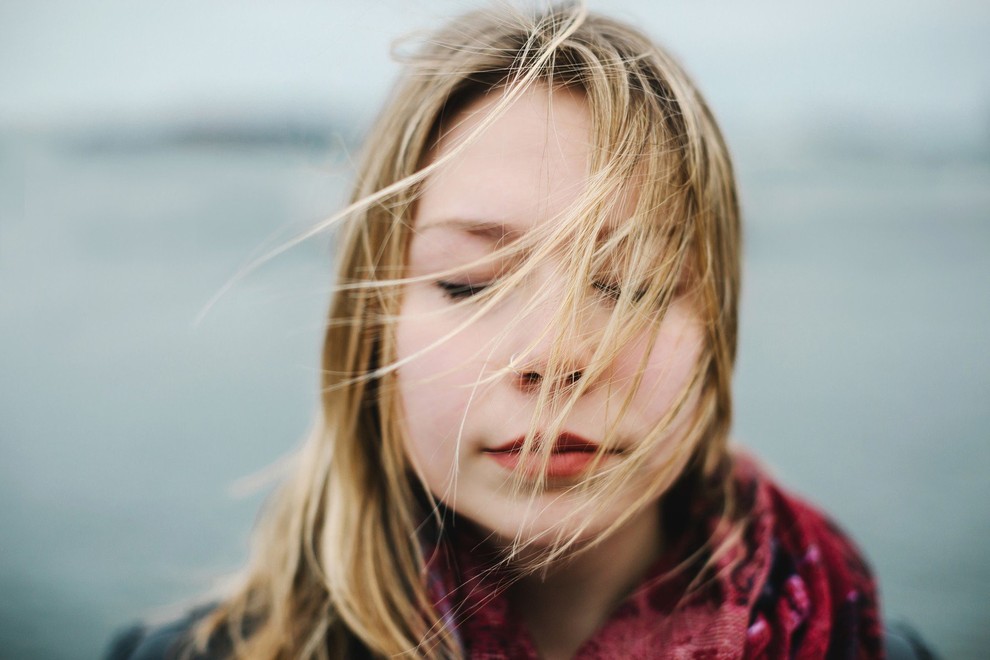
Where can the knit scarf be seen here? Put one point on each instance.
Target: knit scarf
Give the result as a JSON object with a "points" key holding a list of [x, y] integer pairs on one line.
{"points": [[790, 585]]}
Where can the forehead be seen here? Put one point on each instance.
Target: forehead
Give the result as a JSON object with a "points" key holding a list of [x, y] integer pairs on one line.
{"points": [[508, 172]]}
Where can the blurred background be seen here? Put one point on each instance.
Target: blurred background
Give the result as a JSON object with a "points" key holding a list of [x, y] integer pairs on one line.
{"points": [[150, 149]]}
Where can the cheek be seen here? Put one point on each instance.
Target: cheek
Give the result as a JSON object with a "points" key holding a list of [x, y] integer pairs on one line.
{"points": [[432, 361], [669, 366], [435, 384]]}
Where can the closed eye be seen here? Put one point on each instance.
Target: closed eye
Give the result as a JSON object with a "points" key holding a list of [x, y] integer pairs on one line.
{"points": [[460, 290], [613, 291]]}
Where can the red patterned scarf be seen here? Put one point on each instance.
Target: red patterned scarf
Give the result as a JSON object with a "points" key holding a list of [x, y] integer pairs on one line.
{"points": [[791, 586]]}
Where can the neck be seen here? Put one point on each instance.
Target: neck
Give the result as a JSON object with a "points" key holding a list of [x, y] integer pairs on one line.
{"points": [[563, 606]]}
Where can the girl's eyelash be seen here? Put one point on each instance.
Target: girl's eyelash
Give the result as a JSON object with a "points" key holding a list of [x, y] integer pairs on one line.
{"points": [[460, 290], [612, 290], [609, 289]]}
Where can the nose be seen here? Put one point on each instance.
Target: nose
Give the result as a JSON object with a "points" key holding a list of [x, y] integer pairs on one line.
{"points": [[529, 378], [551, 340], [545, 351]]}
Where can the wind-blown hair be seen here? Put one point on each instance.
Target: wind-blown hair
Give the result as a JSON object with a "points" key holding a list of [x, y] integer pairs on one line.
{"points": [[336, 561]]}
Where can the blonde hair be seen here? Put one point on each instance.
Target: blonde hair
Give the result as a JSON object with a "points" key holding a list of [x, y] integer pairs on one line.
{"points": [[336, 561]]}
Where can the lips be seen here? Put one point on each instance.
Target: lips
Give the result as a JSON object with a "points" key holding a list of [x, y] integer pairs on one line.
{"points": [[570, 456]]}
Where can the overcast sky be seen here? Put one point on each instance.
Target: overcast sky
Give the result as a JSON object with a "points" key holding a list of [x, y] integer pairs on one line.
{"points": [[67, 62]]}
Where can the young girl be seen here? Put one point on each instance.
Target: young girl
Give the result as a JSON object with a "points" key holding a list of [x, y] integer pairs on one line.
{"points": [[522, 449]]}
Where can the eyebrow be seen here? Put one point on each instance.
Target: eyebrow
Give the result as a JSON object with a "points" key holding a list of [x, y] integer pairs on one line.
{"points": [[488, 229]]}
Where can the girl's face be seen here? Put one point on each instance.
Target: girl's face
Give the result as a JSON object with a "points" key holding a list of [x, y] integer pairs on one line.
{"points": [[469, 397]]}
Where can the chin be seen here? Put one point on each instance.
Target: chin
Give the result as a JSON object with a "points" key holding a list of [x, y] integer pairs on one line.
{"points": [[542, 532]]}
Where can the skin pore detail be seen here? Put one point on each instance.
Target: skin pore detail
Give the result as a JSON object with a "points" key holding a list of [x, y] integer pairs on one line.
{"points": [[466, 382]]}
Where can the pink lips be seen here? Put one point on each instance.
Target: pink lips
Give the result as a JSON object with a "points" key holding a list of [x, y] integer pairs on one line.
{"points": [[571, 455]]}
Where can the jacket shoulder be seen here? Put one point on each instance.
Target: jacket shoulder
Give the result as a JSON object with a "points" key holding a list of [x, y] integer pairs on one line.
{"points": [[170, 641]]}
